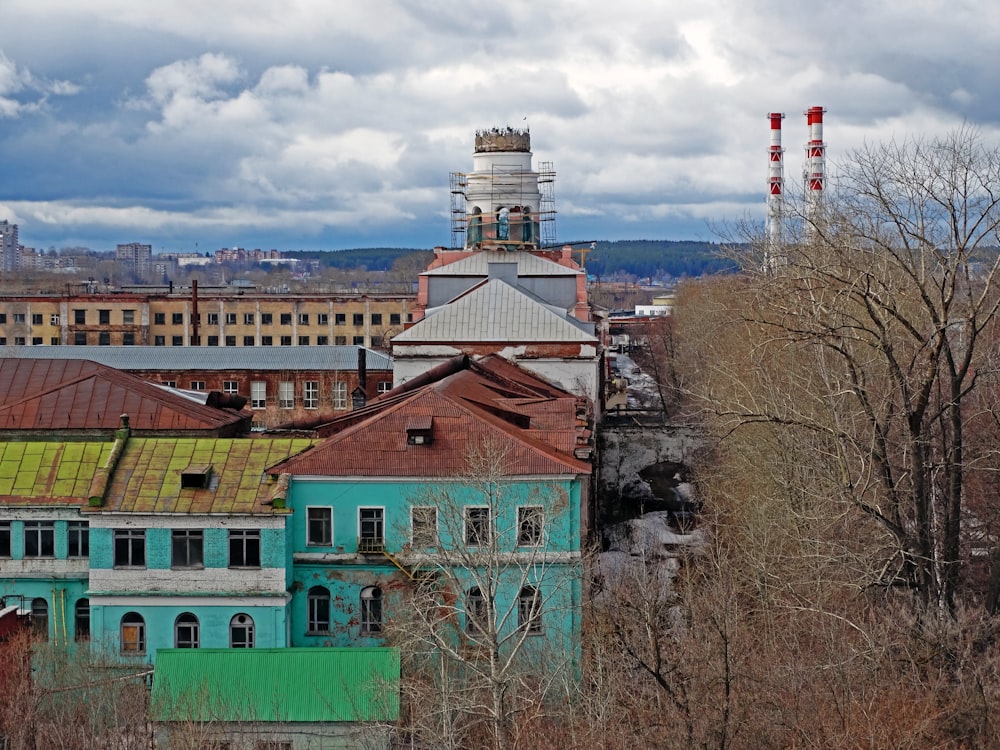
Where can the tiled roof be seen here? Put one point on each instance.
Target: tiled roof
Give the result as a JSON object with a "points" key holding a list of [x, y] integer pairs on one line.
{"points": [[148, 476], [525, 430], [49, 472], [60, 394], [211, 357], [276, 685], [495, 311], [478, 264]]}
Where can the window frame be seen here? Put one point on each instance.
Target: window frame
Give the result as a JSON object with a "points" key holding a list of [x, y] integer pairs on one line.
{"points": [[6, 543], [319, 607], [187, 549], [428, 536], [138, 622], [245, 541], [187, 623], [78, 539], [286, 394], [311, 521], [530, 525], [476, 612], [249, 639], [231, 387], [529, 610], [371, 530], [310, 394], [372, 611], [338, 394], [258, 394], [470, 523], [44, 535]]}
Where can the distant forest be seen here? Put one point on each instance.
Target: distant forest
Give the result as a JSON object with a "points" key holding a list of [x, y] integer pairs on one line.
{"points": [[655, 259]]}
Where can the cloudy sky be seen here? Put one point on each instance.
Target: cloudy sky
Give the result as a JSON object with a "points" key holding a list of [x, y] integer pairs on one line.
{"points": [[335, 123]]}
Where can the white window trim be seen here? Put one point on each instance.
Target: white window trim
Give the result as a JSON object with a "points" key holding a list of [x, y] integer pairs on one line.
{"points": [[465, 526], [319, 507], [437, 536], [541, 530]]}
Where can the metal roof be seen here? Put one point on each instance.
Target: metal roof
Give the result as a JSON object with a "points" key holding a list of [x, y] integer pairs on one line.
{"points": [[61, 394], [276, 685], [135, 358], [147, 477], [49, 472], [495, 311], [478, 264]]}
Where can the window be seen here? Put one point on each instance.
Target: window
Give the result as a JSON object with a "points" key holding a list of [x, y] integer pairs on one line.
{"points": [[376, 319], [310, 394], [80, 317], [130, 548], [230, 319], [322, 340], [177, 341], [319, 610], [3, 341], [286, 319], [371, 529], [213, 340], [286, 394], [303, 341], [40, 618], [197, 385], [187, 548], [266, 319], [359, 319], [159, 319], [529, 610], [319, 527], [241, 633], [36, 319], [104, 317], [322, 319], [177, 319], [170, 383], [213, 319], [394, 319], [159, 340], [186, 629], [78, 539], [19, 340], [82, 619], [477, 526], [36, 340], [4, 538], [128, 339], [230, 341], [371, 610], [231, 386], [266, 340], [384, 386], [39, 539], [340, 395], [303, 319], [358, 340], [248, 341], [133, 634], [19, 317], [80, 338], [340, 340], [54, 341], [54, 320], [286, 340], [476, 612], [424, 526], [258, 394], [128, 317], [244, 548], [248, 319], [376, 341], [340, 319], [530, 522], [104, 338], [3, 318], [273, 745]]}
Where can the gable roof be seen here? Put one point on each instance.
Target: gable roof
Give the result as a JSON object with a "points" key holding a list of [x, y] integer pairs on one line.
{"points": [[527, 428], [276, 685], [495, 311], [478, 264], [147, 477], [49, 473], [78, 395]]}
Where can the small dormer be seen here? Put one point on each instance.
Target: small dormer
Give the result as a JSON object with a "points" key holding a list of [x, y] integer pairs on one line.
{"points": [[196, 476], [420, 430]]}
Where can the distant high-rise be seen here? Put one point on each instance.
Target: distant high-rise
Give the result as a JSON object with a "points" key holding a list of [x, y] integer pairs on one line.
{"points": [[10, 251], [136, 255]]}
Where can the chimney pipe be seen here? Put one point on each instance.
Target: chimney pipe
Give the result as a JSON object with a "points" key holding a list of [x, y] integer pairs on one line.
{"points": [[815, 166], [362, 369], [776, 180]]}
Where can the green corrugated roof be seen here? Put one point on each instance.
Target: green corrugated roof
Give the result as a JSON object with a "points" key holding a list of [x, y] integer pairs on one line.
{"points": [[276, 684], [39, 472]]}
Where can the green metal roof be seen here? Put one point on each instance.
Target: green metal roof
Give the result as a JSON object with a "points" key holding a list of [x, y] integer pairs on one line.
{"points": [[49, 472], [276, 685]]}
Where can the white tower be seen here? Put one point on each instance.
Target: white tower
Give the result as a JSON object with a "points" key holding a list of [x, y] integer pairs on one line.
{"points": [[776, 181]]}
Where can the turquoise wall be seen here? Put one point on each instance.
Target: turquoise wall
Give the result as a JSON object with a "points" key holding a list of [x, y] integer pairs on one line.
{"points": [[216, 547]]}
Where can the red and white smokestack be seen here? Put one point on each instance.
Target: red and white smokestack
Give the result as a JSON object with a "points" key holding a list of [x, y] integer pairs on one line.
{"points": [[776, 178], [815, 167]]}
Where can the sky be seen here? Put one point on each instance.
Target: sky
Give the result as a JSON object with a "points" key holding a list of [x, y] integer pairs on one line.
{"points": [[192, 125]]}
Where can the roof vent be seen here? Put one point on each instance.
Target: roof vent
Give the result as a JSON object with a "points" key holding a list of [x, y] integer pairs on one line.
{"points": [[196, 477], [420, 431]]}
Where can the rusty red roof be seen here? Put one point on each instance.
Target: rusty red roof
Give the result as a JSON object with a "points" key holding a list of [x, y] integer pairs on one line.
{"points": [[523, 424], [62, 394]]}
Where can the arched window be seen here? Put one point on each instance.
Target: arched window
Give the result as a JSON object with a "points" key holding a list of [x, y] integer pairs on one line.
{"points": [[40, 618], [319, 610], [371, 610], [529, 610], [186, 631], [475, 612], [82, 619], [133, 634], [241, 631]]}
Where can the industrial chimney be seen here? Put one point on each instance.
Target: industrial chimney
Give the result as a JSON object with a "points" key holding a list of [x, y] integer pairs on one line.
{"points": [[776, 181], [814, 172]]}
